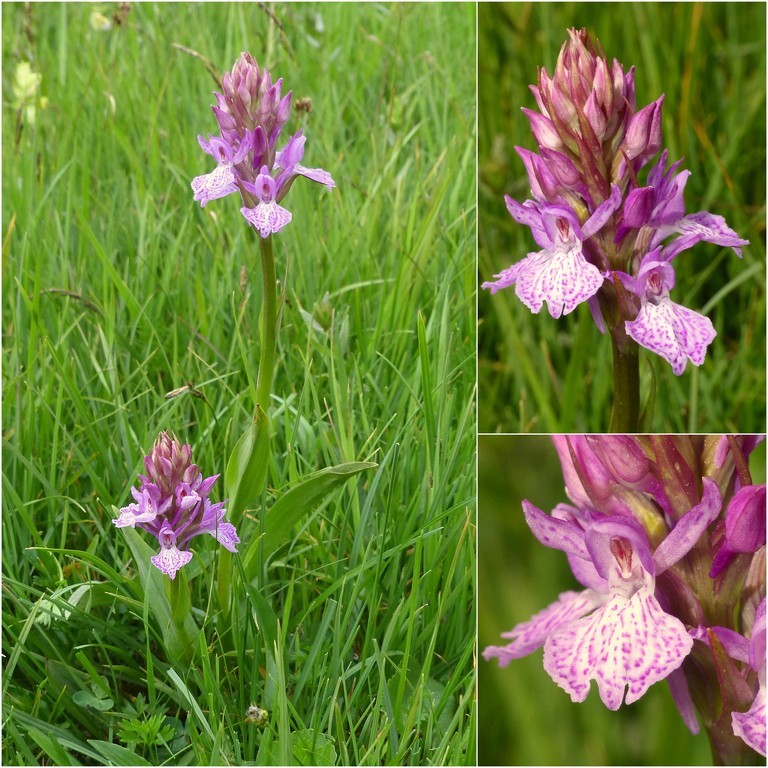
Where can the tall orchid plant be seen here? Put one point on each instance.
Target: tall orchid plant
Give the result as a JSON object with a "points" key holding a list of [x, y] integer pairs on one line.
{"points": [[667, 536], [172, 501], [605, 237]]}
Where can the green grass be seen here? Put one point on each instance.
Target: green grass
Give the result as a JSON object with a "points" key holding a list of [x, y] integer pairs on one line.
{"points": [[542, 375], [357, 634], [517, 578]]}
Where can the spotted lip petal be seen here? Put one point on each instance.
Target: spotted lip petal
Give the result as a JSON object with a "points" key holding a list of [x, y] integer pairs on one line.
{"points": [[170, 560], [627, 643], [750, 725], [562, 279], [267, 218], [220, 182], [675, 332]]}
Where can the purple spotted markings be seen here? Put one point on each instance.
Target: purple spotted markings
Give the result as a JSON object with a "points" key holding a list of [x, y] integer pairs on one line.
{"points": [[594, 221], [632, 538], [172, 504], [251, 113]]}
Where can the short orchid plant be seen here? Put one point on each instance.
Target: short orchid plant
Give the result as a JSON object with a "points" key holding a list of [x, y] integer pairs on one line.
{"points": [[667, 536], [172, 501], [605, 237]]}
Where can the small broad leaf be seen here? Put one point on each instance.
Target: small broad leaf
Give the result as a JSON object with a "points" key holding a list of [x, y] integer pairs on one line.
{"points": [[247, 466], [297, 502], [312, 748], [87, 699]]}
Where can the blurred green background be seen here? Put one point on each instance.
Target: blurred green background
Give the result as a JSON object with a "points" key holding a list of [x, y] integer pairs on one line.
{"points": [[543, 375], [524, 717]]}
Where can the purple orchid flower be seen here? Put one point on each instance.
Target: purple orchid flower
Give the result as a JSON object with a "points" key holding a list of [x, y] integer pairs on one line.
{"points": [[671, 330], [251, 113], [559, 274], [172, 504], [660, 207], [288, 162], [615, 632], [222, 181]]}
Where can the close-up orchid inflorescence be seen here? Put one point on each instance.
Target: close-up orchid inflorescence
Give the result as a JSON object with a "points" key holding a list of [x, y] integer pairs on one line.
{"points": [[251, 114], [606, 237], [667, 536], [172, 504]]}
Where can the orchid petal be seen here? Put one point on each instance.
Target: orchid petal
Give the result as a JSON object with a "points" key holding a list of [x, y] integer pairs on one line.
{"points": [[267, 218], [626, 642], [315, 174], [554, 532], [696, 227], [220, 182], [564, 279], [170, 560], [505, 278], [689, 527], [750, 725], [531, 634], [602, 213], [226, 535], [675, 332]]}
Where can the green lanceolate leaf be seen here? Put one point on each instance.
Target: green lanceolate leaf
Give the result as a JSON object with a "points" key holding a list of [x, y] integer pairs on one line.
{"points": [[176, 634], [115, 754], [298, 502], [247, 466]]}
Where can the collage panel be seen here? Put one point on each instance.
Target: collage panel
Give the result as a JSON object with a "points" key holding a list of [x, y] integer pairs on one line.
{"points": [[622, 217], [369, 370], [621, 600], [239, 271]]}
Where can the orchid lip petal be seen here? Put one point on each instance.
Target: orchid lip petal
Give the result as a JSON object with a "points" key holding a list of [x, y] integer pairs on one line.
{"points": [[626, 644], [675, 332], [750, 726], [220, 182], [267, 218], [170, 560], [562, 279]]}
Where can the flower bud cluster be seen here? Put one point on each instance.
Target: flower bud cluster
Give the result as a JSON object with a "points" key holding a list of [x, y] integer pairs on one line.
{"points": [[667, 534], [602, 233]]}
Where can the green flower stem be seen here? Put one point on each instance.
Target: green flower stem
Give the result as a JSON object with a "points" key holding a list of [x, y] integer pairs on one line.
{"points": [[267, 358], [626, 382], [179, 642], [268, 325]]}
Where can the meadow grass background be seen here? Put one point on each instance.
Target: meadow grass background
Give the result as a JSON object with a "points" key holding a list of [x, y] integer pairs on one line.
{"points": [[544, 375], [524, 717], [118, 289]]}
